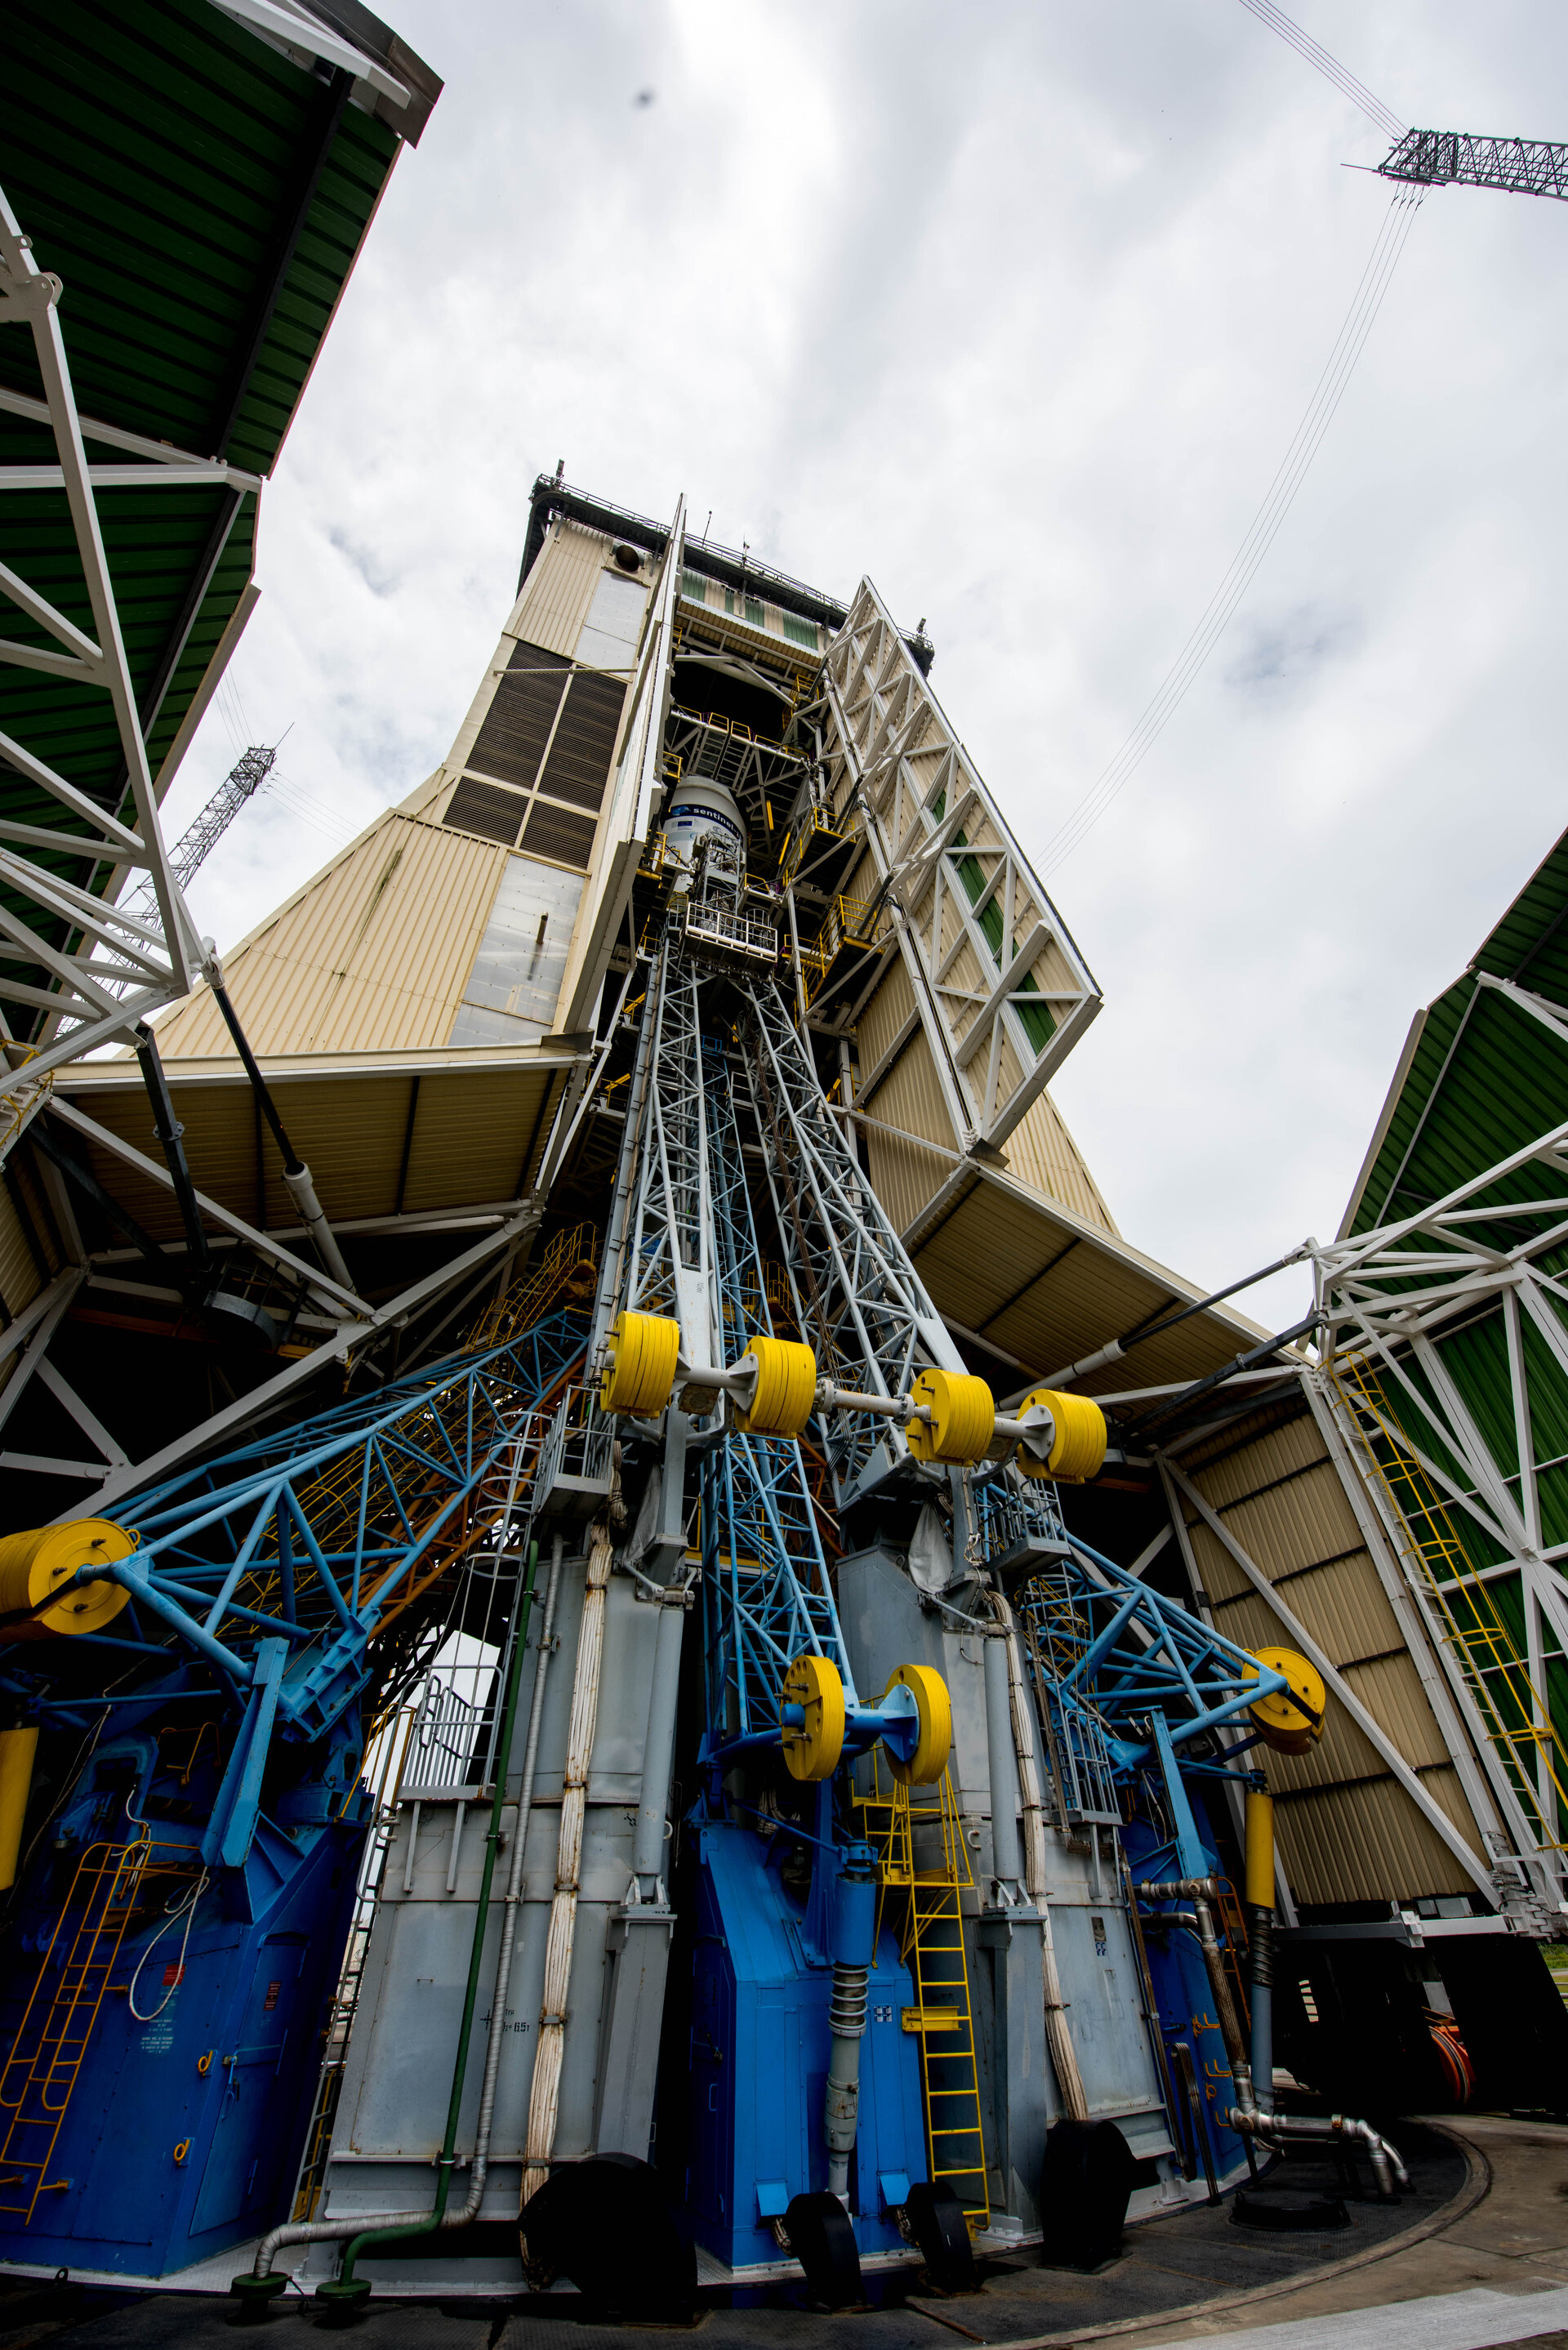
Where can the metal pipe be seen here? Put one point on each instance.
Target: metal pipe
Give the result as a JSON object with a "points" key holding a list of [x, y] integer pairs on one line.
{"points": [[841, 2122], [1006, 1861], [169, 1131], [853, 1948], [545, 2093], [1203, 1891], [302, 1191], [1282, 1338], [1058, 2036], [1273, 2130], [659, 1748], [1153, 1326], [296, 1173], [1270, 2130]]}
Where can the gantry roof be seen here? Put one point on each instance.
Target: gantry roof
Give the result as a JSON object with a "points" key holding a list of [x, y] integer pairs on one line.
{"points": [[201, 186], [1482, 1075]]}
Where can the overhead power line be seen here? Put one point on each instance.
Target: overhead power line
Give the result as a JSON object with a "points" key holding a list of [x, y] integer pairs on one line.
{"points": [[1344, 80], [1330, 389]]}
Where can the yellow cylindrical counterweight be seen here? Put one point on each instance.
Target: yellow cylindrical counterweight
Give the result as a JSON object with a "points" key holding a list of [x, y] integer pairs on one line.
{"points": [[640, 1355], [812, 1747], [786, 1388], [1291, 1721], [33, 1564], [1260, 1849], [962, 1417], [17, 1748], [934, 1707], [1078, 1446]]}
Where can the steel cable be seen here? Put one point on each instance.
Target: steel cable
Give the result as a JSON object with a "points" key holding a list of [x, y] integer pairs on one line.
{"points": [[1344, 80]]}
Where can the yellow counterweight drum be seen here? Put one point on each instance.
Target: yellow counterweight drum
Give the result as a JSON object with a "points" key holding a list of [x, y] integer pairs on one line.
{"points": [[812, 1750], [1079, 1447], [33, 1564], [932, 1703], [962, 1417], [786, 1388], [1287, 1727], [640, 1366]]}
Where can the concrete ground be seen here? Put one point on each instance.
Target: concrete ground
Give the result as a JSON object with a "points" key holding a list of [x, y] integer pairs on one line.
{"points": [[1476, 2255]]}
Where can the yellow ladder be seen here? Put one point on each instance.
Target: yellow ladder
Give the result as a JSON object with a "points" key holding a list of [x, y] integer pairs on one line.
{"points": [[923, 1855], [45, 2057], [1516, 1715]]}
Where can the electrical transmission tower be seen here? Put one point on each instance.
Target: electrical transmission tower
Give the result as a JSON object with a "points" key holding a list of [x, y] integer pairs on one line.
{"points": [[242, 783], [1525, 167]]}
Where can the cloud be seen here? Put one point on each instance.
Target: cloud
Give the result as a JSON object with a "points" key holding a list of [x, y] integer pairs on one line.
{"points": [[1278, 655], [1015, 309]]}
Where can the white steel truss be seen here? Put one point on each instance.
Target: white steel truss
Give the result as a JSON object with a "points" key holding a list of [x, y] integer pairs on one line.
{"points": [[859, 1300], [670, 1267], [1408, 1310], [114, 967], [1003, 991]]}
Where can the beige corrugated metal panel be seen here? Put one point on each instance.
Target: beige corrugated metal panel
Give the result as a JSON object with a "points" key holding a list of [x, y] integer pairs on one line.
{"points": [[560, 588], [905, 1177], [474, 1121], [1354, 1844], [1251, 1461], [490, 1126], [220, 1146], [1048, 1286], [20, 1280], [1282, 1500], [883, 1018], [1342, 1604], [1040, 1152], [375, 956]]}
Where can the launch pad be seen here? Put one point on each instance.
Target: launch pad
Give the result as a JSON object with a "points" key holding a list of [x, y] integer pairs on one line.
{"points": [[640, 1653]]}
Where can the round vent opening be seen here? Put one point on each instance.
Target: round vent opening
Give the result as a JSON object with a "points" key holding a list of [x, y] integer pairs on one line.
{"points": [[630, 558]]}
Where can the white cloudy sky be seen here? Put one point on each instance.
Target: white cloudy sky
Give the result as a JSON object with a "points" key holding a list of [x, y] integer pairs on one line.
{"points": [[1016, 307]]}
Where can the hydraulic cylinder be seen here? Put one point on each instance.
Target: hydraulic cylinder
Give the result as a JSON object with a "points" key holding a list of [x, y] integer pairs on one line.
{"points": [[854, 1937]]}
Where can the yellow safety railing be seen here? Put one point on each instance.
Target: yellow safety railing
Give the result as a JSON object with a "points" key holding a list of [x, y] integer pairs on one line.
{"points": [[566, 1270], [1516, 1715], [918, 1840]]}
